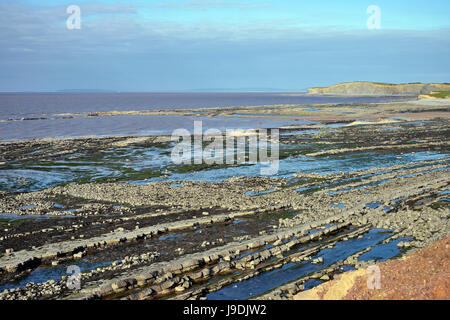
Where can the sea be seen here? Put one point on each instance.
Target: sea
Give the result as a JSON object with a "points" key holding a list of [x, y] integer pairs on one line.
{"points": [[26, 116]]}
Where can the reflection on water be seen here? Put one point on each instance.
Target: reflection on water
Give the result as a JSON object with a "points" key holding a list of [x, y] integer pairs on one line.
{"points": [[139, 165], [38, 115], [126, 125], [32, 105], [43, 274], [292, 271]]}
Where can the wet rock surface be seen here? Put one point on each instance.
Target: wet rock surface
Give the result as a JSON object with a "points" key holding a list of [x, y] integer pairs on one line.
{"points": [[148, 233], [422, 275]]}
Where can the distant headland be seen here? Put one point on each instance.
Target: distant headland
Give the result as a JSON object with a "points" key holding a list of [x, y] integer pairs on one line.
{"points": [[367, 88]]}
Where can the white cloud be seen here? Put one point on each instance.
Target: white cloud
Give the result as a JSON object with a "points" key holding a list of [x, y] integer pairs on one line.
{"points": [[212, 4]]}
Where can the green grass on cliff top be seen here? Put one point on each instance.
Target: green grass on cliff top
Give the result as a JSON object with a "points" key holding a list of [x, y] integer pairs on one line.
{"points": [[441, 94]]}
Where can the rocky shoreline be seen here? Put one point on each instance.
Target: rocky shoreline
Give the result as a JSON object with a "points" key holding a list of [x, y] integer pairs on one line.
{"points": [[422, 275], [149, 229]]}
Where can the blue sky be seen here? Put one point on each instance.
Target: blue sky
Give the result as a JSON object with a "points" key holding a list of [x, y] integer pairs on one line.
{"points": [[220, 44]]}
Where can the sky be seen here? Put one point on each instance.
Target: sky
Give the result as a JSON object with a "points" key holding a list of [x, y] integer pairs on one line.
{"points": [[220, 45]]}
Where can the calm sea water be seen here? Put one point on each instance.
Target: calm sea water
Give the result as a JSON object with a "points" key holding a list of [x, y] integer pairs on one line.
{"points": [[37, 115]]}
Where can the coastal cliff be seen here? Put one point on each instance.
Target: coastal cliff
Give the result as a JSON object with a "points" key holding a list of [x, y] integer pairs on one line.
{"points": [[363, 88]]}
